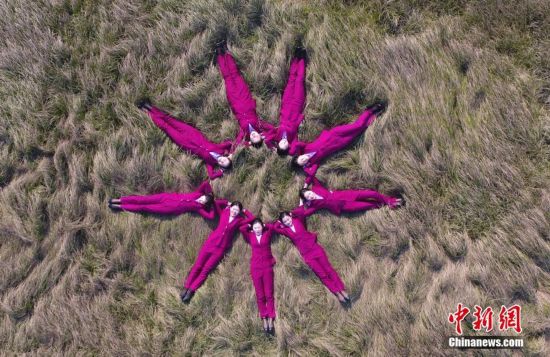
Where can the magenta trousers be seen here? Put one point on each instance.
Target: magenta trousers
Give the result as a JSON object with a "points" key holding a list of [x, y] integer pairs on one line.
{"points": [[365, 200], [294, 95], [177, 130], [207, 260], [262, 279], [348, 132], [161, 203], [318, 262], [239, 97]]}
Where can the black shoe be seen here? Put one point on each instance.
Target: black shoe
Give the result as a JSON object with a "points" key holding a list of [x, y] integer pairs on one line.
{"points": [[114, 208], [144, 103], [221, 47], [300, 53], [346, 304], [378, 108], [271, 331], [402, 201], [188, 296], [183, 293]]}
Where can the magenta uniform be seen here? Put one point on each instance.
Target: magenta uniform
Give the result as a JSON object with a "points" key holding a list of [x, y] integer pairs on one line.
{"points": [[346, 200], [191, 139], [170, 202], [330, 141], [292, 105], [240, 100], [313, 254], [261, 268], [214, 247]]}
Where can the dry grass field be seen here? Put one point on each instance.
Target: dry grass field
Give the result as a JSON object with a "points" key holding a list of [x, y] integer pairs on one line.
{"points": [[466, 138]]}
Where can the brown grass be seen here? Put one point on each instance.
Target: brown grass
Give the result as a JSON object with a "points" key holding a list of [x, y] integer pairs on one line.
{"points": [[466, 137]]}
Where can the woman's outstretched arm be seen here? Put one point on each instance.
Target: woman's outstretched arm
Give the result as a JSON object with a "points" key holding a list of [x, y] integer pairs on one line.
{"points": [[212, 172], [220, 205], [311, 171], [207, 214], [205, 188], [304, 211]]}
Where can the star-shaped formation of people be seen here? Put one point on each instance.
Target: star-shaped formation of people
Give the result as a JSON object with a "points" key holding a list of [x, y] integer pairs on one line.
{"points": [[232, 216]]}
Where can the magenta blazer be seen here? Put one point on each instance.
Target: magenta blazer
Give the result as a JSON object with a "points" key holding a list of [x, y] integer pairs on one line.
{"points": [[261, 252], [303, 239], [191, 139], [222, 236]]}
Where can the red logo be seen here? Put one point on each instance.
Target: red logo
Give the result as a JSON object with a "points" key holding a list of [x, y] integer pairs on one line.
{"points": [[484, 318], [458, 316], [508, 318]]}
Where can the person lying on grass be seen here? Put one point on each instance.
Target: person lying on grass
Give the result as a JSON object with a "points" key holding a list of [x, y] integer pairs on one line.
{"points": [[170, 203], [191, 140], [293, 225], [309, 155], [231, 217], [258, 236], [337, 202]]}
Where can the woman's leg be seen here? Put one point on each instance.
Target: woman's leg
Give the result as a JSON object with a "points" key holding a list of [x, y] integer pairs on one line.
{"points": [[333, 275], [167, 208], [177, 130], [348, 132], [144, 200], [360, 206], [238, 94], [268, 282], [258, 282], [294, 95], [201, 260], [319, 270], [371, 195], [210, 263]]}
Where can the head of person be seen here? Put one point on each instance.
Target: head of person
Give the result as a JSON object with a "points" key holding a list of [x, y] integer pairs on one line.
{"points": [[256, 139], [235, 209], [298, 161], [307, 194], [283, 147], [257, 226], [285, 218], [301, 160], [207, 200], [225, 163]]}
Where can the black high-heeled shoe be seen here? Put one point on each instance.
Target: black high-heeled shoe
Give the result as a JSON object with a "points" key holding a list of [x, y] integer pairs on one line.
{"points": [[265, 328], [112, 207], [379, 108], [144, 103], [221, 47], [183, 293], [188, 296], [300, 52]]}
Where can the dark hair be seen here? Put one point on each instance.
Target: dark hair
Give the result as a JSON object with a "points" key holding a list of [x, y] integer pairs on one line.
{"points": [[238, 204], [257, 220], [302, 193], [228, 166], [209, 201], [282, 214], [294, 163], [282, 152], [258, 144]]}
